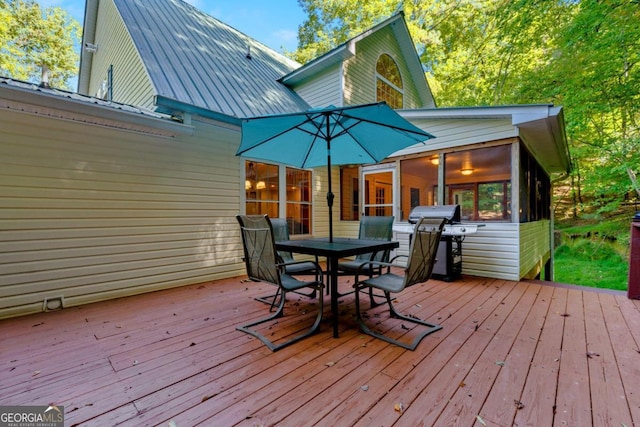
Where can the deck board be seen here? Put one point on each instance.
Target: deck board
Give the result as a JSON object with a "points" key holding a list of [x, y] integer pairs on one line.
{"points": [[503, 401], [540, 392], [573, 402], [607, 390], [502, 327], [509, 353], [625, 351]]}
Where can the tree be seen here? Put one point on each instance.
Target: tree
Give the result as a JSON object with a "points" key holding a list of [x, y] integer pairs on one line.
{"points": [[330, 23], [36, 45], [592, 69], [599, 76]]}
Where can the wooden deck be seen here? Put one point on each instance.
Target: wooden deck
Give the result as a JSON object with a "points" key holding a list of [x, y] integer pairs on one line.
{"points": [[509, 353]]}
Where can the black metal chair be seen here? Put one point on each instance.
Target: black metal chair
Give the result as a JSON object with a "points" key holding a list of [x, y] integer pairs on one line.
{"points": [[371, 228], [263, 264], [422, 256], [302, 268]]}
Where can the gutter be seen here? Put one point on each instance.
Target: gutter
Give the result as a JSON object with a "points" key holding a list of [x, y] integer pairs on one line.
{"points": [[178, 109], [28, 98]]}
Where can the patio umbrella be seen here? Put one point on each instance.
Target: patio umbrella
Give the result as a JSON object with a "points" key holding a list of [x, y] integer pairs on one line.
{"points": [[363, 134]]}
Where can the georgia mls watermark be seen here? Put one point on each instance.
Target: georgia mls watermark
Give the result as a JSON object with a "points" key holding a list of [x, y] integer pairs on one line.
{"points": [[32, 416]]}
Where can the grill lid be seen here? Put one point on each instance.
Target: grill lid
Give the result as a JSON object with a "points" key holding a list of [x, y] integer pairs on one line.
{"points": [[450, 212]]}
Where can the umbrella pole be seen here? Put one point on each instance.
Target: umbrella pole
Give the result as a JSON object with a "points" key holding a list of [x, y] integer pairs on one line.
{"points": [[330, 197], [329, 193]]}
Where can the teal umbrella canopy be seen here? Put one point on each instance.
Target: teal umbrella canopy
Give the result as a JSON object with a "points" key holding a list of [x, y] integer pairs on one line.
{"points": [[363, 134]]}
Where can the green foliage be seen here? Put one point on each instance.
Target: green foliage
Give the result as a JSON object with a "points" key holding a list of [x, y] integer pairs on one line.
{"points": [[33, 41], [332, 22], [598, 74], [594, 252], [615, 230], [588, 262]]}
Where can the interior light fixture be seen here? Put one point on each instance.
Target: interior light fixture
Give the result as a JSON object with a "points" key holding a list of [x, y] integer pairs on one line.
{"points": [[250, 177], [261, 185], [466, 168], [468, 171], [435, 160]]}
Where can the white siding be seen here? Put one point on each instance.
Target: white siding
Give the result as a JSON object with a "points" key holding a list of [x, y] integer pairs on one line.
{"points": [[360, 79], [325, 89], [491, 252], [451, 133], [89, 213], [535, 244], [131, 83], [320, 220]]}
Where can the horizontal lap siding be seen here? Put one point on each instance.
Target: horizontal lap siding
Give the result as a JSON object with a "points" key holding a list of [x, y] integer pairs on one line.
{"points": [[131, 83], [451, 133], [535, 244], [323, 90], [320, 220], [491, 252], [89, 213]]}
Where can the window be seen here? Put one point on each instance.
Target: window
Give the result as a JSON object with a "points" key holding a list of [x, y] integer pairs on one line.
{"points": [[493, 200], [418, 183], [480, 182], [267, 185], [378, 193], [349, 193], [389, 82], [261, 189], [298, 201]]}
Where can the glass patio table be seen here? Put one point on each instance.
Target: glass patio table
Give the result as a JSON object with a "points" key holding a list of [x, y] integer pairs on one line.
{"points": [[339, 248]]}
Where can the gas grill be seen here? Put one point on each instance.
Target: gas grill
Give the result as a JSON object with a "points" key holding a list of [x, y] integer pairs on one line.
{"points": [[448, 266]]}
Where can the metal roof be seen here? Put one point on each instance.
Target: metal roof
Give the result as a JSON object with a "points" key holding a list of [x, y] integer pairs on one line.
{"points": [[195, 59]]}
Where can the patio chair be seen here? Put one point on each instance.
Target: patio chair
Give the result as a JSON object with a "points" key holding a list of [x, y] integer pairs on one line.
{"points": [[304, 268], [372, 228], [422, 256], [263, 264]]}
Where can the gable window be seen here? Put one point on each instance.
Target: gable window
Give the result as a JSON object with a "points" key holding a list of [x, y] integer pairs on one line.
{"points": [[389, 82], [280, 192]]}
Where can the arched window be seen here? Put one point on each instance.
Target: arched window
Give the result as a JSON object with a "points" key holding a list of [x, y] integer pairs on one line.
{"points": [[388, 82]]}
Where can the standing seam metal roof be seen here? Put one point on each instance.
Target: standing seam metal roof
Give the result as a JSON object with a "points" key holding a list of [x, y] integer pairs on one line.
{"points": [[198, 60]]}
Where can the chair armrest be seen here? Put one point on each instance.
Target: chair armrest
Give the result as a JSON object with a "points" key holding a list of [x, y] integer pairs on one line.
{"points": [[319, 270], [380, 264], [391, 261]]}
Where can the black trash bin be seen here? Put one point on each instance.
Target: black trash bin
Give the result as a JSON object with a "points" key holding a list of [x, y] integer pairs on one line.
{"points": [[633, 290]]}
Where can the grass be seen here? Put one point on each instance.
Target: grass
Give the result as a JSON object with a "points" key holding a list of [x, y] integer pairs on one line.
{"points": [[593, 253]]}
